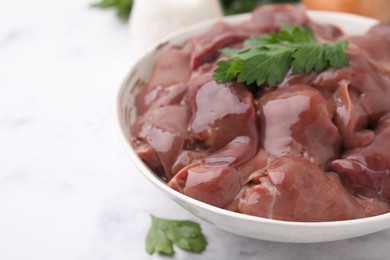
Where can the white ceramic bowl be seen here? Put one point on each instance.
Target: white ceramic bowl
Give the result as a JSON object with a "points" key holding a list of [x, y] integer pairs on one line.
{"points": [[245, 225]]}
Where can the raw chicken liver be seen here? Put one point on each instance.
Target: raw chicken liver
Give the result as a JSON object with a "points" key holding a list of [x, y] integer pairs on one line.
{"points": [[314, 148]]}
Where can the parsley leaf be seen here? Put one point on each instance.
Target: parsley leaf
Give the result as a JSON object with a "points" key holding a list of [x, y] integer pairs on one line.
{"points": [[267, 58], [164, 233]]}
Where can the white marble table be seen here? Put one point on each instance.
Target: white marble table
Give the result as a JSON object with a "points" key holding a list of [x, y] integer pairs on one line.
{"points": [[67, 189]]}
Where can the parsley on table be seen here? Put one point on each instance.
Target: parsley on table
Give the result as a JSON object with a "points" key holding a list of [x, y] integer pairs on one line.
{"points": [[183, 233], [267, 58]]}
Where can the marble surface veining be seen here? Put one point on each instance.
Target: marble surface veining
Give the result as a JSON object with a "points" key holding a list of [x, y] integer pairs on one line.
{"points": [[67, 189]]}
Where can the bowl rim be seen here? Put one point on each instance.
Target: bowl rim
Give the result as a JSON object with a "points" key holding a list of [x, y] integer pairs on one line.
{"points": [[152, 177]]}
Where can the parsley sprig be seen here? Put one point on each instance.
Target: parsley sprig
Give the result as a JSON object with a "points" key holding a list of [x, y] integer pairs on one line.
{"points": [[165, 232], [267, 58]]}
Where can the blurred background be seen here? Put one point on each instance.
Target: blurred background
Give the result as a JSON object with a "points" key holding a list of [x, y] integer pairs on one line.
{"points": [[153, 19], [378, 9]]}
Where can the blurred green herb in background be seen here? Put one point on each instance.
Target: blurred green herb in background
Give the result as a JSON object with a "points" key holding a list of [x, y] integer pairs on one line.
{"points": [[243, 6], [123, 7]]}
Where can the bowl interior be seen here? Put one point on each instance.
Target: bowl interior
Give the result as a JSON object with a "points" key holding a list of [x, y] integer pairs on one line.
{"points": [[250, 226]]}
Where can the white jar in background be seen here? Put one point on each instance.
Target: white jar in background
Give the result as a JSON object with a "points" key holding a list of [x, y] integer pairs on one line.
{"points": [[152, 19]]}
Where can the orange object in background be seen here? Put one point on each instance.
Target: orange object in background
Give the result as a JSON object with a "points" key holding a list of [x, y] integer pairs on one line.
{"points": [[378, 9]]}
